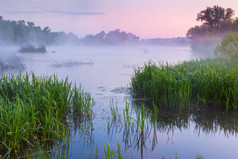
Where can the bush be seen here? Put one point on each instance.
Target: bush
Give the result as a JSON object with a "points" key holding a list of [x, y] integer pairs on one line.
{"points": [[228, 47]]}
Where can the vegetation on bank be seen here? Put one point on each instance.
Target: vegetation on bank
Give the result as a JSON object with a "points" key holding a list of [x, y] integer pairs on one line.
{"points": [[228, 46], [32, 49], [211, 81], [216, 23], [115, 37], [206, 81], [36, 111], [22, 32]]}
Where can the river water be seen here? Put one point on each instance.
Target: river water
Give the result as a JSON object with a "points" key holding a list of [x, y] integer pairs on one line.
{"points": [[106, 72]]}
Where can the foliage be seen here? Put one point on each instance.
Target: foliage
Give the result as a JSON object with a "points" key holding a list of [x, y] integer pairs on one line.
{"points": [[218, 22], [114, 110], [207, 82], [213, 16], [137, 126], [115, 37], [33, 49], [228, 46], [34, 111], [111, 153], [21, 32], [199, 157], [205, 32]]}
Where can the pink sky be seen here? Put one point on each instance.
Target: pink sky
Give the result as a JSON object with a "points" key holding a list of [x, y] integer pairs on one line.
{"points": [[145, 18]]}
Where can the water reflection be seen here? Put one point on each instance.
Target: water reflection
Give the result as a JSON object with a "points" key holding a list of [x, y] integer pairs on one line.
{"points": [[204, 120], [10, 63], [111, 69], [207, 120], [78, 129], [137, 128]]}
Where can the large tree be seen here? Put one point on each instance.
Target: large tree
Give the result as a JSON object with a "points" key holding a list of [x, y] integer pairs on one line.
{"points": [[212, 16]]}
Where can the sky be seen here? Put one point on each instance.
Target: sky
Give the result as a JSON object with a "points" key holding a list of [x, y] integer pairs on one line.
{"points": [[145, 18]]}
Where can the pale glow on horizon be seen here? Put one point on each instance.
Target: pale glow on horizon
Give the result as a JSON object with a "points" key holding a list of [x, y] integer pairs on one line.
{"points": [[145, 18]]}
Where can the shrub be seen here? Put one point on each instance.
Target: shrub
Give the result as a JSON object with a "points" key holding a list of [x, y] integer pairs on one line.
{"points": [[228, 47]]}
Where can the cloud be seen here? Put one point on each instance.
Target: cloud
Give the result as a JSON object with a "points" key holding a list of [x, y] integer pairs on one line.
{"points": [[54, 12]]}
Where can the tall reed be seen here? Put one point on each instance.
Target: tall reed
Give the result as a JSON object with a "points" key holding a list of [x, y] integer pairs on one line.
{"points": [[207, 81], [34, 110]]}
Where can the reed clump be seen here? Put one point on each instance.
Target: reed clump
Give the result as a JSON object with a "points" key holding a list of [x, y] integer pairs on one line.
{"points": [[32, 49], [35, 110], [211, 81]]}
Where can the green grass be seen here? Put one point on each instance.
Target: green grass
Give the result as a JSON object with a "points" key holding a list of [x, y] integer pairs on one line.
{"points": [[111, 153], [211, 81], [35, 110], [114, 111], [137, 125]]}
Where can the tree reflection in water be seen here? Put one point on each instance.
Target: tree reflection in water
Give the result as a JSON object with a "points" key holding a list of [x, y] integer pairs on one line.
{"points": [[140, 130]]}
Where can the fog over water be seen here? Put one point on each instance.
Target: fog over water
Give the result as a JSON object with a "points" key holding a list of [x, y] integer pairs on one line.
{"points": [[106, 72]]}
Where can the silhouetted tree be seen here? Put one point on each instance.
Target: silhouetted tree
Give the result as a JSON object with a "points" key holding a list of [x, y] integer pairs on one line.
{"points": [[217, 22], [21, 32], [115, 37], [213, 16], [120, 37]]}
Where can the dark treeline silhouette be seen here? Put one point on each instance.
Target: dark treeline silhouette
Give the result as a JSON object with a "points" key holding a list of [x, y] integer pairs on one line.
{"points": [[115, 37], [21, 32], [167, 42], [217, 22], [24, 33]]}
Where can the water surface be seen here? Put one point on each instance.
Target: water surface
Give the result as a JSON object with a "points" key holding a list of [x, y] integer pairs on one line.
{"points": [[106, 74]]}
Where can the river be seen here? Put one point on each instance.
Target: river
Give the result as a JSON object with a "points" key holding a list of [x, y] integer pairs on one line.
{"points": [[106, 72]]}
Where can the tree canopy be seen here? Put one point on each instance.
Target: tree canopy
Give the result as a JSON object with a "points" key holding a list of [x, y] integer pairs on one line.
{"points": [[115, 37], [218, 22], [212, 16], [21, 32], [24, 33]]}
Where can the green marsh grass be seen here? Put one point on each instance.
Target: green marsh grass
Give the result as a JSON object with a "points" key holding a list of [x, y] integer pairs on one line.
{"points": [[34, 111], [114, 110], [111, 153], [211, 81], [137, 124]]}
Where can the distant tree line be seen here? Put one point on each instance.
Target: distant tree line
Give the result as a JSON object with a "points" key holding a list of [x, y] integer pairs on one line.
{"points": [[115, 37], [21, 32], [216, 23], [24, 33]]}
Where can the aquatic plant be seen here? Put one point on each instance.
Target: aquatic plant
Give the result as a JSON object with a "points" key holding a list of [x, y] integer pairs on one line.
{"points": [[111, 153], [127, 112], [211, 81], [155, 113], [114, 110], [35, 111], [199, 157], [32, 49], [136, 125]]}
